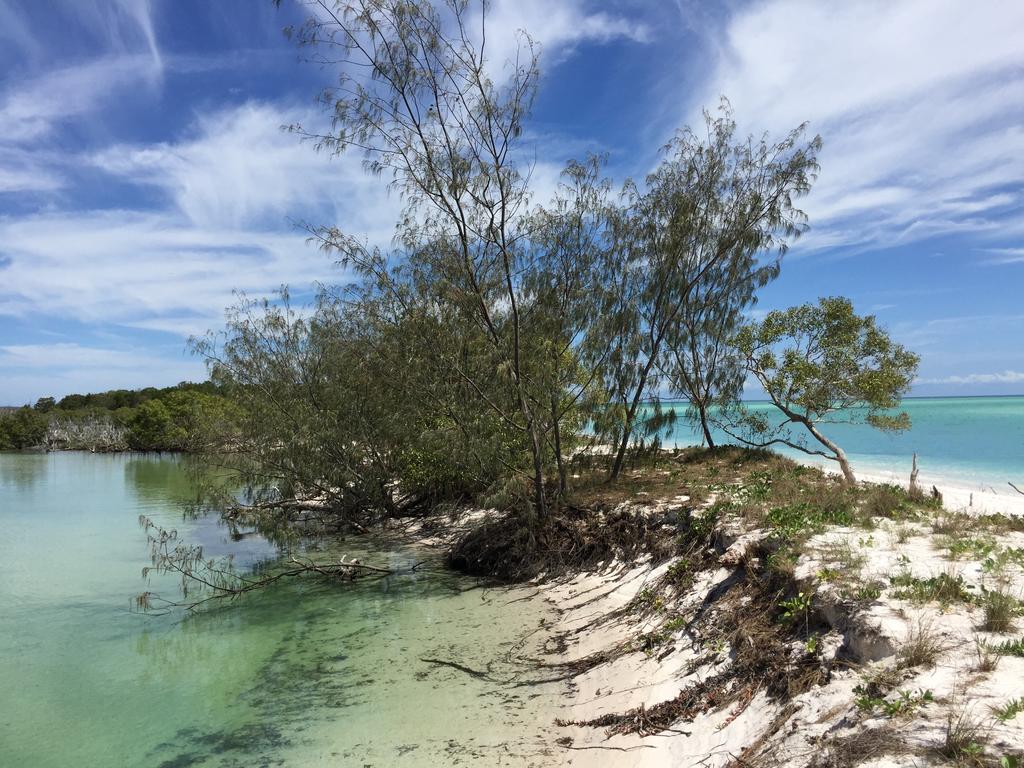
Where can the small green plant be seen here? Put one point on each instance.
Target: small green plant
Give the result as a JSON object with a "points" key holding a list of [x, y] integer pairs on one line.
{"points": [[964, 740], [988, 657], [944, 588], [673, 624], [1000, 561], [902, 533], [867, 593], [680, 573], [811, 646], [650, 599], [1011, 648], [976, 548], [904, 704], [1009, 710], [797, 609], [829, 575], [796, 521]]}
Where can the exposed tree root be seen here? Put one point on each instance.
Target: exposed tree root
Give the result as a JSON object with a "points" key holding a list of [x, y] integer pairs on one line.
{"points": [[749, 618], [514, 549]]}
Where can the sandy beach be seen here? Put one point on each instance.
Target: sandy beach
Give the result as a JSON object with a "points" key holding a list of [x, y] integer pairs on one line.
{"points": [[849, 717]]}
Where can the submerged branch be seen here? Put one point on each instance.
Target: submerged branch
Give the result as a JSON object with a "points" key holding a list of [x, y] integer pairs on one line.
{"points": [[218, 579]]}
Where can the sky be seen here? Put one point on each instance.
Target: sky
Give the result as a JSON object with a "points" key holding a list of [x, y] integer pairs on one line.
{"points": [[145, 178]]}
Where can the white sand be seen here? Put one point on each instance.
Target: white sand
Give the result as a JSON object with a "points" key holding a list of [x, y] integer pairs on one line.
{"points": [[591, 620]]}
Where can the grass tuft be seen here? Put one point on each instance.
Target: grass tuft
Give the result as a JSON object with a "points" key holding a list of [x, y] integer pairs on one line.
{"points": [[922, 647], [988, 658], [1001, 611], [964, 742]]}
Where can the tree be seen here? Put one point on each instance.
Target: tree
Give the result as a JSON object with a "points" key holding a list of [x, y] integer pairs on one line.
{"points": [[691, 244], [414, 94], [567, 282], [151, 428], [22, 428], [45, 404], [822, 364]]}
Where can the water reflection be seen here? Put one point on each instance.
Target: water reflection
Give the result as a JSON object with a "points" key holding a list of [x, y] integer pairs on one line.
{"points": [[23, 471]]}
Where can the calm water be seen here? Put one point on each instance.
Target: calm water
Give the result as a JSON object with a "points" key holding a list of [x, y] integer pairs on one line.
{"points": [[302, 675], [971, 441]]}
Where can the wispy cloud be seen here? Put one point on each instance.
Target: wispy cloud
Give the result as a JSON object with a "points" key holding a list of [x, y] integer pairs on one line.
{"points": [[1005, 377], [556, 27], [920, 104], [238, 168], [1004, 256], [150, 270], [33, 109], [232, 188], [34, 370]]}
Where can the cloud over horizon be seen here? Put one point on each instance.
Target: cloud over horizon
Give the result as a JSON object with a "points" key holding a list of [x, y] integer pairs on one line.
{"points": [[124, 230]]}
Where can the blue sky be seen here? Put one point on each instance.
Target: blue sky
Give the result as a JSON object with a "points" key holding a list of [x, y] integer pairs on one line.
{"points": [[144, 176]]}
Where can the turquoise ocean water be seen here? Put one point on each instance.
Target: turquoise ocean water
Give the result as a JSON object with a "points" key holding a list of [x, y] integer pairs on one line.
{"points": [[976, 442]]}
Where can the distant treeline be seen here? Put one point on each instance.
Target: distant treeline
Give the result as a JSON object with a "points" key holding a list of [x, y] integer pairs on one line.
{"points": [[178, 418]]}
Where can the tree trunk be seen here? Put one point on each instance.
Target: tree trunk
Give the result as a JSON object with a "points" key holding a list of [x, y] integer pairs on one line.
{"points": [[563, 482], [538, 475], [840, 454], [704, 425], [631, 415], [620, 453]]}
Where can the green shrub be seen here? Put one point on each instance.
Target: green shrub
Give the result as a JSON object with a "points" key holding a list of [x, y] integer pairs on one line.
{"points": [[24, 428]]}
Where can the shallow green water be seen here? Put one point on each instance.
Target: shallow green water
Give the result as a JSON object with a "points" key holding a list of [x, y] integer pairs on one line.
{"points": [[302, 675]]}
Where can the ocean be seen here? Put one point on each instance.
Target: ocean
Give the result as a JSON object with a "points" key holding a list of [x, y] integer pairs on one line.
{"points": [[972, 442]]}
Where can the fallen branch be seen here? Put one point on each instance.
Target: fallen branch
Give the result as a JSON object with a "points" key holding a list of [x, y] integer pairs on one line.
{"points": [[218, 579], [460, 667]]}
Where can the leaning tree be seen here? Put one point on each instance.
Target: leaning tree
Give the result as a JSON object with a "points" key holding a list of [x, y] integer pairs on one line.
{"points": [[822, 364]]}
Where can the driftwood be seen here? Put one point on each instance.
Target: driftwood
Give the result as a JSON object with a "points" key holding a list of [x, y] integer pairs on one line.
{"points": [[1018, 490]]}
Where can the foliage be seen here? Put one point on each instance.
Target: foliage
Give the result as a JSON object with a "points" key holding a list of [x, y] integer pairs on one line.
{"points": [[185, 417], [904, 704], [819, 364], [707, 230], [944, 588], [1009, 710], [22, 428], [1011, 647]]}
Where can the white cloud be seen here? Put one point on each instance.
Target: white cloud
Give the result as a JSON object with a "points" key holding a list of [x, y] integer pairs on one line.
{"points": [[24, 175], [240, 170], [556, 26], [35, 370], [232, 188], [920, 104], [1006, 377], [119, 26], [33, 109], [149, 269], [1005, 256]]}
